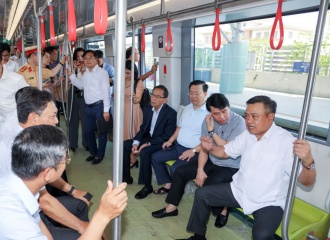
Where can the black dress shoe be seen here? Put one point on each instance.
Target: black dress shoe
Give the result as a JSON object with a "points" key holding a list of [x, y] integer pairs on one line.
{"points": [[128, 180], [90, 158], [221, 220], [144, 192], [87, 149], [97, 160], [162, 213], [72, 149]]}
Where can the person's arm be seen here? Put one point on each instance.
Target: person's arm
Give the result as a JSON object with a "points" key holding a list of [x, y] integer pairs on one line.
{"points": [[303, 151], [138, 92], [112, 204], [148, 74], [66, 187], [45, 230], [217, 151], [56, 211], [170, 141], [201, 175], [74, 80]]}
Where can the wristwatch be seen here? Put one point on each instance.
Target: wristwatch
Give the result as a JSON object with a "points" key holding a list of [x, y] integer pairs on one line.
{"points": [[71, 190], [311, 167], [194, 150], [211, 133]]}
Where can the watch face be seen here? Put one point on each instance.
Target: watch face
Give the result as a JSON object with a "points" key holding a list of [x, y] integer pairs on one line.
{"points": [[312, 166]]}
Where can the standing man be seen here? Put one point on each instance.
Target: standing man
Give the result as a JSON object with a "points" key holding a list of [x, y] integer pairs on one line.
{"points": [[261, 184], [10, 83], [220, 124], [184, 144], [95, 82], [11, 64], [159, 123]]}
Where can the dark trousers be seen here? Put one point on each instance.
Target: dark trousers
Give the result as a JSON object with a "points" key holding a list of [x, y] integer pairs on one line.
{"points": [[145, 172], [160, 158], [266, 220], [215, 174], [92, 114], [77, 208], [77, 112]]}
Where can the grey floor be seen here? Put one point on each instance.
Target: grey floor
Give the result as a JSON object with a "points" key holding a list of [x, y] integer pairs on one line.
{"points": [[136, 221]]}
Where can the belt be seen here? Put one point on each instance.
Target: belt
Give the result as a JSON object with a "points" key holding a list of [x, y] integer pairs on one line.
{"points": [[94, 104]]}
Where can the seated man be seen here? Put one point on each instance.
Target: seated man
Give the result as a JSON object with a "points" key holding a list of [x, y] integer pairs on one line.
{"points": [[35, 107], [159, 123], [46, 158], [221, 125], [187, 135], [260, 186]]}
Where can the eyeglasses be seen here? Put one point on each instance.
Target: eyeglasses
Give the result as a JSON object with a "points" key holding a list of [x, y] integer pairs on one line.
{"points": [[194, 94], [156, 96]]}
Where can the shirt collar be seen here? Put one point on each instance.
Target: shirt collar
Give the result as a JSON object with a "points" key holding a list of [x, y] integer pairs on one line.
{"points": [[153, 109], [94, 69]]}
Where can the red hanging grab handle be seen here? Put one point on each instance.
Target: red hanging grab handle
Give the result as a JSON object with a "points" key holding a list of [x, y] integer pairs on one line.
{"points": [[168, 37], [72, 25], [100, 16], [143, 38], [51, 26], [278, 19], [42, 31], [216, 32]]}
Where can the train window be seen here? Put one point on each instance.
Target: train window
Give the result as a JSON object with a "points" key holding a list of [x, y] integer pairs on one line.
{"points": [[246, 66]]}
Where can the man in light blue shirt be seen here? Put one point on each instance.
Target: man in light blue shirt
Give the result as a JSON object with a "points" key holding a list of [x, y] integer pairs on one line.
{"points": [[184, 144]]}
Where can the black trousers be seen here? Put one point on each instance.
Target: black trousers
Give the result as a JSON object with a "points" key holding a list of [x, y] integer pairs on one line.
{"points": [[76, 207], [145, 172], [266, 220], [183, 174]]}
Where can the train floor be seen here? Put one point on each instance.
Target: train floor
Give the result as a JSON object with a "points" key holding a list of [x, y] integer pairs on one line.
{"points": [[136, 221]]}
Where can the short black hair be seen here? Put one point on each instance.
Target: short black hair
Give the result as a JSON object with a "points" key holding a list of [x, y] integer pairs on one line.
{"points": [[199, 82], [162, 87], [37, 148], [99, 54], [269, 104], [20, 91], [217, 100], [50, 49], [32, 100], [4, 47], [89, 51]]}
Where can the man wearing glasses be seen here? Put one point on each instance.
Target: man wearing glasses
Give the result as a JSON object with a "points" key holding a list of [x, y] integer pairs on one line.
{"points": [[159, 124], [95, 83], [19, 190], [35, 107]]}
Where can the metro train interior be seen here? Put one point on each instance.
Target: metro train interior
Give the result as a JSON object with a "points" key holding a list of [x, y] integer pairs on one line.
{"points": [[238, 47]]}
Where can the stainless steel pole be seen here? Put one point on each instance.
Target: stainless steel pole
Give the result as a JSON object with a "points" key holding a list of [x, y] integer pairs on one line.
{"points": [[132, 80], [120, 32], [305, 112]]}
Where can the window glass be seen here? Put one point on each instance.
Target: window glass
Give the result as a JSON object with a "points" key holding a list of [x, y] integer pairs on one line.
{"points": [[246, 66]]}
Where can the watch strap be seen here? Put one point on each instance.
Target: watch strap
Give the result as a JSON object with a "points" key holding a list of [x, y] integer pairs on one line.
{"points": [[71, 190]]}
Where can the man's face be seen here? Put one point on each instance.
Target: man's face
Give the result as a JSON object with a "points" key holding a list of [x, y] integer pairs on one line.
{"points": [[90, 60], [5, 56], [48, 116], [54, 55], [157, 98], [99, 61], [45, 59], [257, 120], [196, 95], [221, 116]]}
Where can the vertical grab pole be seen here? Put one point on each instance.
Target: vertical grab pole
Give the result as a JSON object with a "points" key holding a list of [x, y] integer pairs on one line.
{"points": [[155, 74], [305, 112], [132, 80], [120, 33], [38, 45]]}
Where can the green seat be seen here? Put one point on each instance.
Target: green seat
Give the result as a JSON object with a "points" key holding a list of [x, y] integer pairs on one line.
{"points": [[170, 162], [304, 219]]}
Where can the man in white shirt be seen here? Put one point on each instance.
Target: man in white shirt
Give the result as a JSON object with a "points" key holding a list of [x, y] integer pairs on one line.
{"points": [[35, 107], [95, 82], [260, 186], [10, 83], [46, 158], [184, 144], [11, 64]]}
